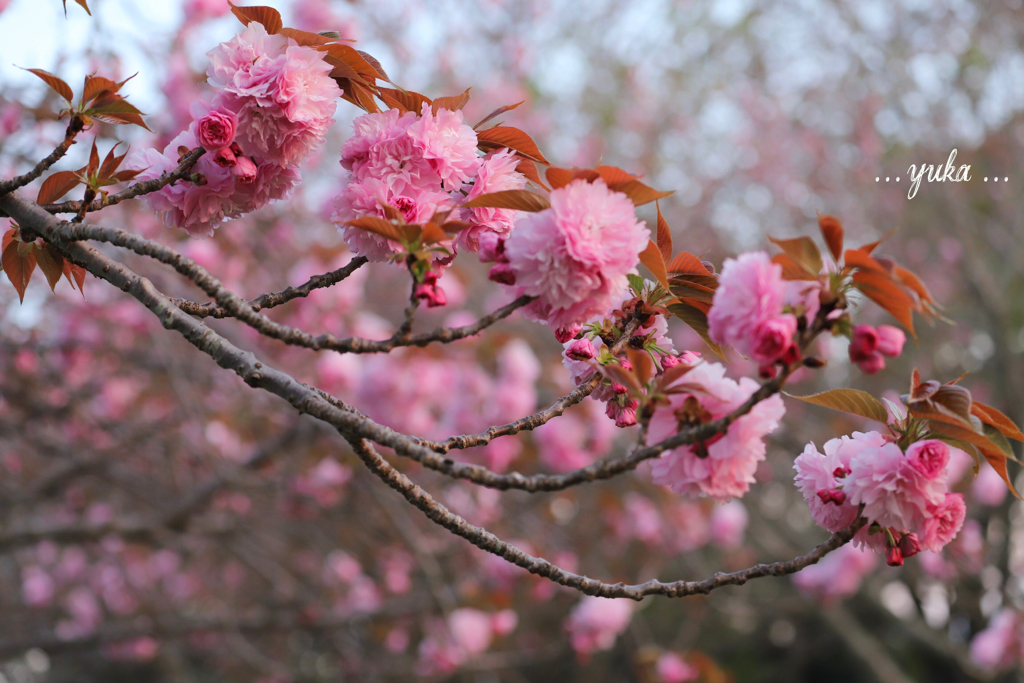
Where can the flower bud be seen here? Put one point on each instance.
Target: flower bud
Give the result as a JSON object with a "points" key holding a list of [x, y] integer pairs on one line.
{"points": [[492, 248], [872, 364], [224, 157], [626, 417], [670, 361], [580, 349], [890, 341], [502, 273], [564, 334], [766, 372], [909, 545], [863, 344], [432, 294], [244, 170], [893, 557]]}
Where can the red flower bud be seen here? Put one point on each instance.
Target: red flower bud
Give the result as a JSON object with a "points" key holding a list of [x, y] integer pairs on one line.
{"points": [[502, 273], [864, 343], [580, 349], [893, 557], [909, 545], [564, 334]]}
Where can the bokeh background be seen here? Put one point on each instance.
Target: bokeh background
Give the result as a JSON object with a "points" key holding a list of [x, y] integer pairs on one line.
{"points": [[296, 565]]}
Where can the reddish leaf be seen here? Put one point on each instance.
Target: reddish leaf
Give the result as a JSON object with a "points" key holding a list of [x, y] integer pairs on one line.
{"points": [[613, 175], [94, 85], [652, 258], [520, 200], [56, 186], [832, 231], [999, 465], [643, 366], [8, 238], [684, 262], [404, 100], [124, 176], [452, 227], [791, 270], [268, 16], [639, 193], [529, 169], [51, 263], [855, 258], [306, 38], [497, 112], [558, 177], [685, 287], [991, 416], [514, 139], [18, 266], [913, 282], [803, 251], [664, 237], [853, 401], [432, 233], [110, 162], [378, 226], [94, 160], [75, 274], [62, 88], [376, 70], [84, 5], [451, 102], [889, 295]]}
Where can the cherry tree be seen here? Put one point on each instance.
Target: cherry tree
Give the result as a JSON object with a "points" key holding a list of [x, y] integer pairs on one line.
{"points": [[562, 248]]}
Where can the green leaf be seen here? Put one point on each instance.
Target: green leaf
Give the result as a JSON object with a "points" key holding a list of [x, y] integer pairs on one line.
{"points": [[698, 320], [853, 401]]}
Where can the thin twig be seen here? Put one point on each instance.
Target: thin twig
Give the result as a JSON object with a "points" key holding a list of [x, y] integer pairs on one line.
{"points": [[274, 299], [74, 128]]}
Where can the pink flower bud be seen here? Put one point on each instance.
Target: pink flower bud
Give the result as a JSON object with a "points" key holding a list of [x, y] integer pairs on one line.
{"points": [[893, 557], [909, 545], [502, 273], [618, 389], [625, 417], [863, 344], [431, 294], [841, 472], [766, 372], [890, 340], [224, 157], [872, 364], [580, 349], [216, 130], [670, 361], [773, 338], [625, 364], [838, 497], [564, 334], [492, 248], [244, 170]]}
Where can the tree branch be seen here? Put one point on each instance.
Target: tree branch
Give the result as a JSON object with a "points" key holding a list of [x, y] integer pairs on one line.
{"points": [[138, 189], [74, 128], [275, 299]]}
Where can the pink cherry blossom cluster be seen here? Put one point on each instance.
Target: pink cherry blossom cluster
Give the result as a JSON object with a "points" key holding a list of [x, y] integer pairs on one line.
{"points": [[871, 345], [575, 256], [595, 624], [723, 466], [584, 352], [467, 632], [419, 165], [902, 495], [1000, 646], [748, 310], [274, 104]]}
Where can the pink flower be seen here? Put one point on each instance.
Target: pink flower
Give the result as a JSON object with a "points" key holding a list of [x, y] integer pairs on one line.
{"points": [[672, 668], [943, 522], [448, 144], [773, 338], [893, 491], [817, 473], [802, 297], [470, 629], [575, 256], [929, 457], [890, 340], [998, 646], [595, 623], [217, 129], [728, 469], [750, 292], [839, 574], [497, 174], [281, 92], [728, 524]]}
